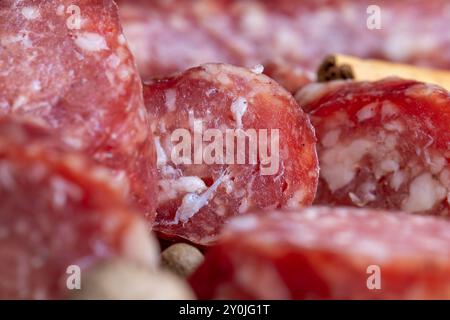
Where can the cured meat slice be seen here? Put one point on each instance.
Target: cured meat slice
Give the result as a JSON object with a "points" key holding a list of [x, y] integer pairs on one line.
{"points": [[58, 210], [289, 77], [328, 253], [248, 145], [180, 41], [67, 64], [168, 36], [382, 144]]}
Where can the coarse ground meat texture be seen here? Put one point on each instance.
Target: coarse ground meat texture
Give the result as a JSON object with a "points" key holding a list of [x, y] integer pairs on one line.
{"points": [[328, 253], [197, 197], [382, 144], [67, 64], [57, 210]]}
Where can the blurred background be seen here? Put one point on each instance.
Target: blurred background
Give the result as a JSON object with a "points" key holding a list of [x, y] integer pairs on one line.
{"points": [[289, 37]]}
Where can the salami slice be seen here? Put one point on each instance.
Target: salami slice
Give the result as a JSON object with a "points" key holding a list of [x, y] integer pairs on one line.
{"points": [[58, 212], [169, 36], [328, 253], [67, 64], [228, 139], [383, 144], [289, 77]]}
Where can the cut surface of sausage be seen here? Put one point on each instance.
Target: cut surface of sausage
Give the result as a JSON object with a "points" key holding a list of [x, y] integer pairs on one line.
{"points": [[58, 213], [382, 144], [67, 64], [246, 144], [328, 253]]}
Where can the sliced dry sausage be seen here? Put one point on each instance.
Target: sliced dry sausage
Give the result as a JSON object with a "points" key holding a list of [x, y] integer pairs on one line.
{"points": [[328, 253]]}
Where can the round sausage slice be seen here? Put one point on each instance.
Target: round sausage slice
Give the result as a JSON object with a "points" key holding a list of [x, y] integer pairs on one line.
{"points": [[227, 139], [67, 64], [328, 253], [59, 214], [383, 144]]}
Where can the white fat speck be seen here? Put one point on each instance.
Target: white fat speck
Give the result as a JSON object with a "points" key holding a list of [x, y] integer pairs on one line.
{"points": [[224, 79], [19, 102], [314, 91], [64, 190], [366, 194], [229, 186], [113, 61], [171, 98], [169, 171], [331, 138], [397, 180], [238, 108], [192, 202], [60, 10], [90, 41], [36, 85], [21, 38], [160, 153], [211, 91], [286, 40], [162, 127], [191, 117], [389, 165], [221, 211], [344, 238], [296, 200], [73, 141], [124, 72], [254, 21], [257, 277], [172, 188], [424, 193], [394, 126], [421, 89], [258, 69], [121, 39], [121, 181], [367, 112], [244, 223], [142, 114], [311, 214], [355, 199], [31, 13], [376, 248], [339, 163], [388, 109]]}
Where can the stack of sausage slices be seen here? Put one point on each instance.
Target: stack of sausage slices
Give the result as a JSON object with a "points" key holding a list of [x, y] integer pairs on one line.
{"points": [[338, 191]]}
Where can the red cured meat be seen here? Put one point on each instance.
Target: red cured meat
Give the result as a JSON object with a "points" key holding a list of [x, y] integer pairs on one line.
{"points": [[224, 97], [81, 81], [168, 36], [289, 77], [328, 253], [58, 209], [383, 144]]}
